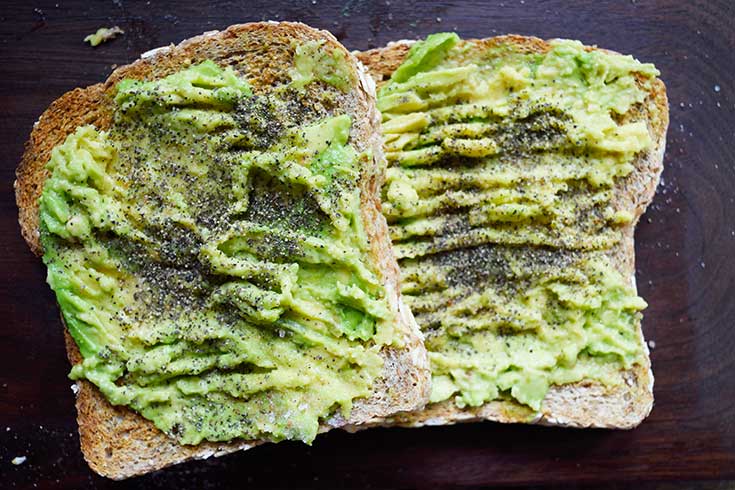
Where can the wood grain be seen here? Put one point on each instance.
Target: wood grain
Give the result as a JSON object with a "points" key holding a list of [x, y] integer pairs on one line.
{"points": [[685, 246]]}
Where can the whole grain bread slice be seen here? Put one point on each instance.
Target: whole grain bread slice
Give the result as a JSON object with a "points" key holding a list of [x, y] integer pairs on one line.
{"points": [[119, 443], [582, 404]]}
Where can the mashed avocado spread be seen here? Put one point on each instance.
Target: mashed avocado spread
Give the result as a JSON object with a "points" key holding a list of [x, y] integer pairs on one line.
{"points": [[209, 256], [499, 196]]}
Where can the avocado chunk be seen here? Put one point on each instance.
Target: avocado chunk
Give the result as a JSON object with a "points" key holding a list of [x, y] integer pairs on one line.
{"points": [[425, 55]]}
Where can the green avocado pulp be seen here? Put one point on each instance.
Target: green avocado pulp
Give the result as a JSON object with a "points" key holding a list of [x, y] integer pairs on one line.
{"points": [[210, 261], [499, 197]]}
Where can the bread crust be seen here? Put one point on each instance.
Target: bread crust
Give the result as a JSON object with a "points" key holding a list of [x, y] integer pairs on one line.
{"points": [[116, 441], [583, 404]]}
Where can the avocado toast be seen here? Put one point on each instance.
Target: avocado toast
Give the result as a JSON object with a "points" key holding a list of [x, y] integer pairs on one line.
{"points": [[518, 169], [209, 217]]}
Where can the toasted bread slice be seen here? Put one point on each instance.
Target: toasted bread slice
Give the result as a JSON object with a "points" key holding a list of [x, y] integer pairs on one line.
{"points": [[582, 404], [117, 442]]}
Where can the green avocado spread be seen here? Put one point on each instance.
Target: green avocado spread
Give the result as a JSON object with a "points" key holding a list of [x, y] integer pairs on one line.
{"points": [[208, 254], [499, 196]]}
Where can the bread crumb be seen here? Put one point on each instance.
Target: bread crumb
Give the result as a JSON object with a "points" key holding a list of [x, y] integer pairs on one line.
{"points": [[18, 460]]}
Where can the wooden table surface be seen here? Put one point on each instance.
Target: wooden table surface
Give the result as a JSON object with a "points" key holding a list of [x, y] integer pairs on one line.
{"points": [[685, 247]]}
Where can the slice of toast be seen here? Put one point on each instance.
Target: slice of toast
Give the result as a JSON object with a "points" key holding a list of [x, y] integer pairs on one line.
{"points": [[116, 441], [585, 403]]}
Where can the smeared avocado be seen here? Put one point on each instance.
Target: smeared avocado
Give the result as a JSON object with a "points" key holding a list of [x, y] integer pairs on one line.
{"points": [[209, 258], [315, 62], [499, 196]]}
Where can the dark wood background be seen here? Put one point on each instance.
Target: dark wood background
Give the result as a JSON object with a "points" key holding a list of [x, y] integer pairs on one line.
{"points": [[685, 247]]}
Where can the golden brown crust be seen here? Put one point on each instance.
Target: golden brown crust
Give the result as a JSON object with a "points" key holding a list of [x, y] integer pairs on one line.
{"points": [[581, 404], [61, 118], [119, 443]]}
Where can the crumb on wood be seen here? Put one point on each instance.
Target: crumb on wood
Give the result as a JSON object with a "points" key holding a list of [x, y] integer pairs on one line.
{"points": [[18, 460], [103, 35]]}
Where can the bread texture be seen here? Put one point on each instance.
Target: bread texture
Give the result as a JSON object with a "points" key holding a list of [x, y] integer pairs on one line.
{"points": [[116, 441], [583, 404]]}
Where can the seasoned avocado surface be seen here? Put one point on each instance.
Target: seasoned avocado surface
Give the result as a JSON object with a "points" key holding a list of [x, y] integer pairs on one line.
{"points": [[499, 197], [208, 254]]}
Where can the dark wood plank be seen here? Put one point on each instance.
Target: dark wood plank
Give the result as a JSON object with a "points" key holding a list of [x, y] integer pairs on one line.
{"points": [[686, 246]]}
